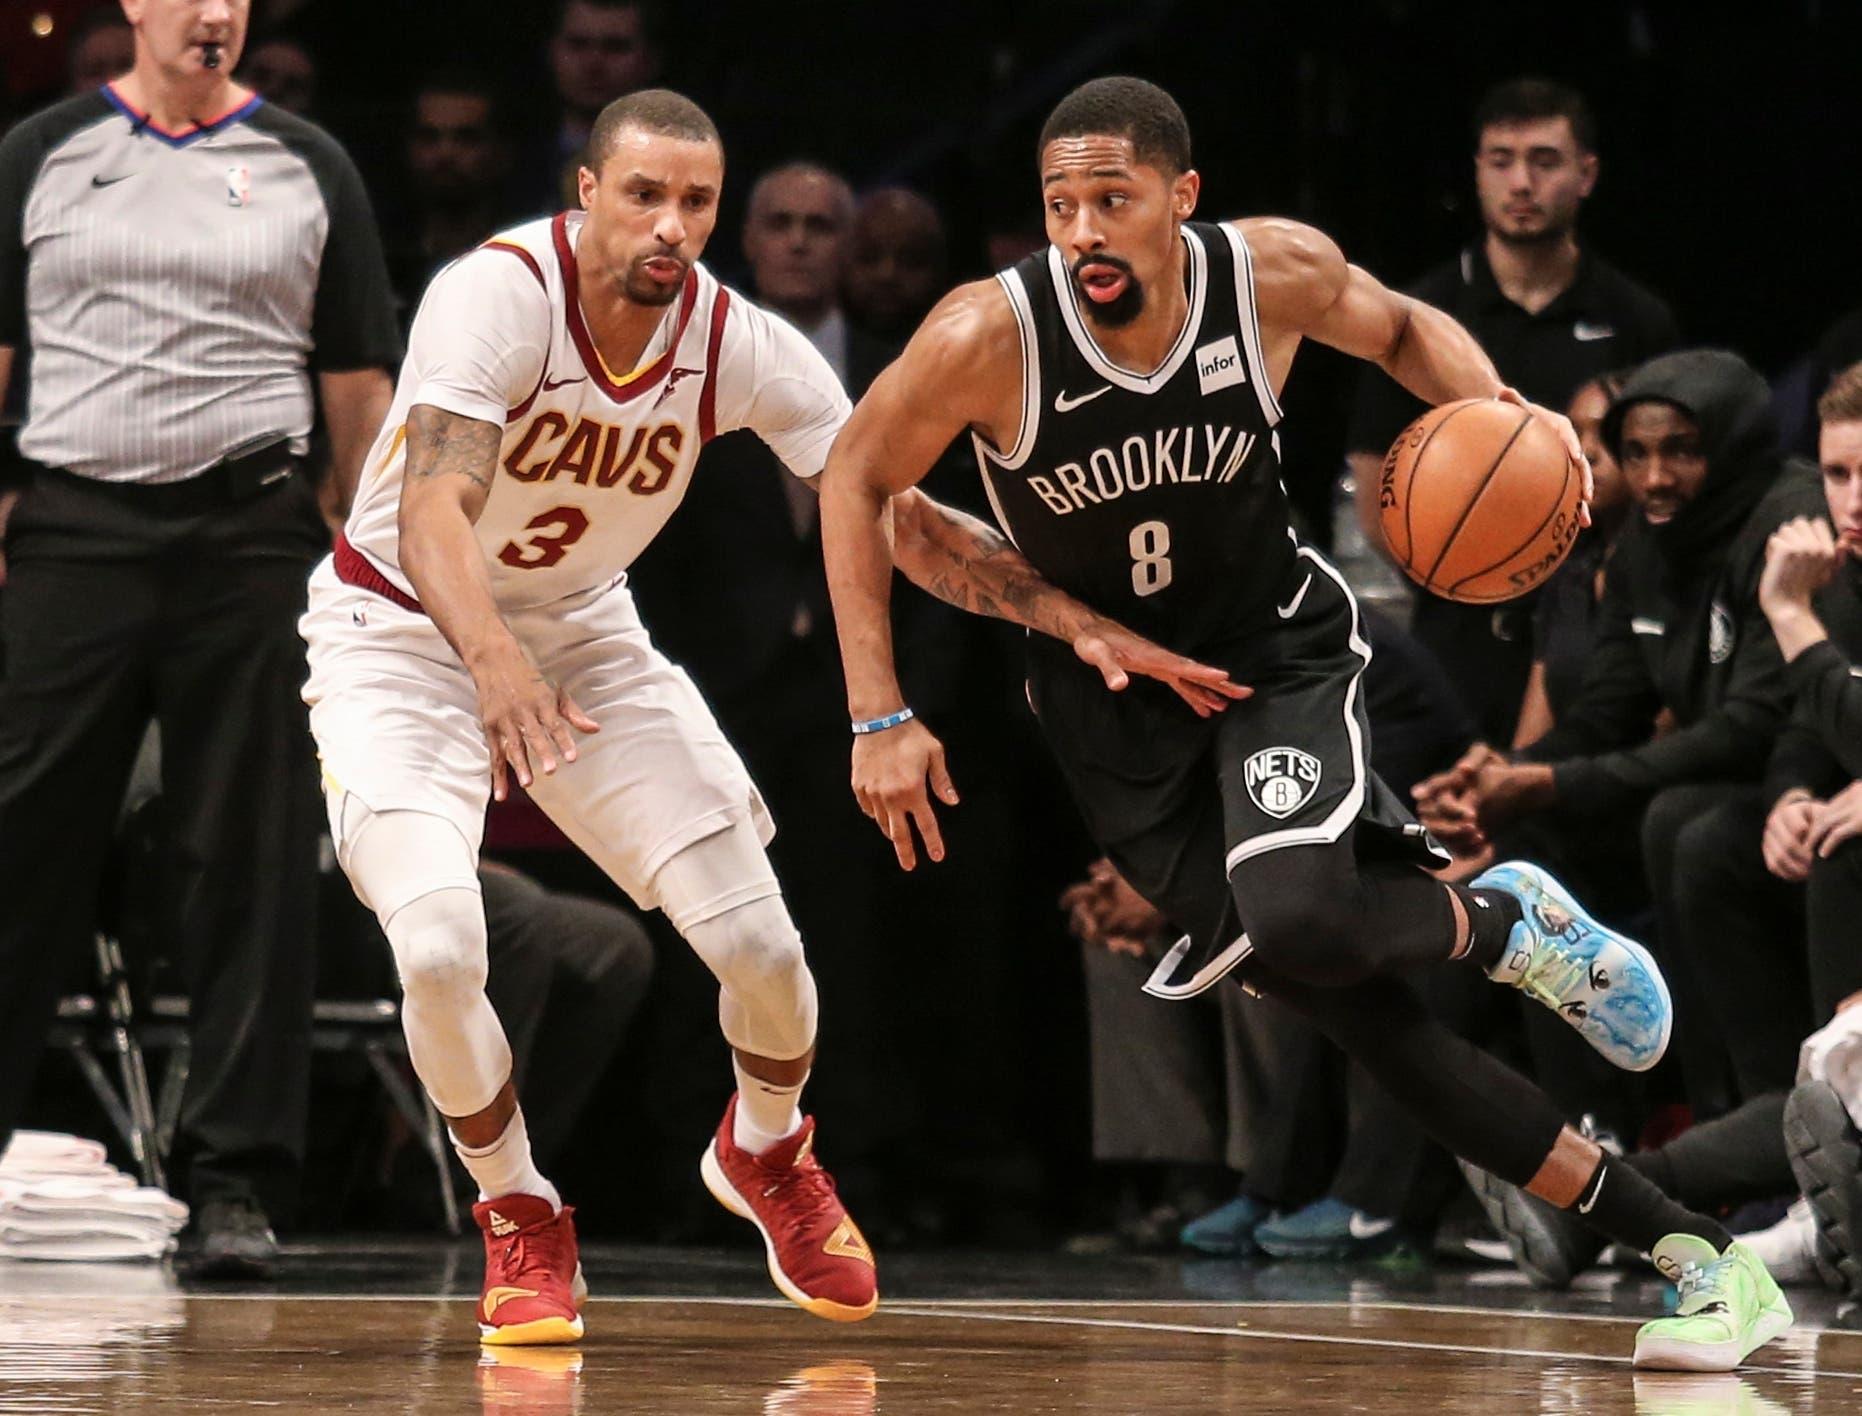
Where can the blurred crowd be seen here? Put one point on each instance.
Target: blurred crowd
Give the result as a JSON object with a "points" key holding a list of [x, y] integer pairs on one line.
{"points": [[1672, 724]]}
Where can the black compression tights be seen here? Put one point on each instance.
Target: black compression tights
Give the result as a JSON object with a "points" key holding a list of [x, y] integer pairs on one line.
{"points": [[1330, 932], [1473, 1104]]}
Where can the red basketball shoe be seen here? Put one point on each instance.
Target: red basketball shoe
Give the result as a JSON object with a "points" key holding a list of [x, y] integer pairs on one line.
{"points": [[817, 1255], [533, 1281]]}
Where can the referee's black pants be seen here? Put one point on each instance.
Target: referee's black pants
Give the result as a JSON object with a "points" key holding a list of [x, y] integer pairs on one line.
{"points": [[122, 605]]}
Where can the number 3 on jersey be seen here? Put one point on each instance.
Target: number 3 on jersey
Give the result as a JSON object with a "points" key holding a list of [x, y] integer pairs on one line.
{"points": [[556, 530], [1150, 557]]}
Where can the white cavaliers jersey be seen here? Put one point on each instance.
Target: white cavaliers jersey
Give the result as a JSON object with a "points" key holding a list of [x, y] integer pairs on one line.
{"points": [[592, 462]]}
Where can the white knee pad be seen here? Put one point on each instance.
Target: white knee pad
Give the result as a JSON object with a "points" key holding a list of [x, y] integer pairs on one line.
{"points": [[722, 895], [766, 998], [418, 874]]}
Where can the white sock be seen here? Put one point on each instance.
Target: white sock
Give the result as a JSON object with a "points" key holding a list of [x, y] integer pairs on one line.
{"points": [[505, 1166], [767, 1112]]}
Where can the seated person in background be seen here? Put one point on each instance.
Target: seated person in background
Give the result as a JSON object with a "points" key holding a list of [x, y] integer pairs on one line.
{"points": [[1763, 995], [1564, 621], [1681, 635]]}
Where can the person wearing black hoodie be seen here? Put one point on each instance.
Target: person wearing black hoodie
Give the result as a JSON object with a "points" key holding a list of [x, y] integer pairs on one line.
{"points": [[1765, 990], [1686, 690]]}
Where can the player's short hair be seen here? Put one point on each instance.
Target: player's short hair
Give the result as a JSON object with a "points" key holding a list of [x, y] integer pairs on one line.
{"points": [[661, 111], [1124, 107], [1529, 99], [1842, 400]]}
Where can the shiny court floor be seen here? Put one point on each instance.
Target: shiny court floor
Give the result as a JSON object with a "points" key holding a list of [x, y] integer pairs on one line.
{"points": [[388, 1328]]}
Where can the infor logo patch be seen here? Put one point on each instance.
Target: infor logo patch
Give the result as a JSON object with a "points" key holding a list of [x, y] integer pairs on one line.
{"points": [[1281, 780], [1220, 365]]}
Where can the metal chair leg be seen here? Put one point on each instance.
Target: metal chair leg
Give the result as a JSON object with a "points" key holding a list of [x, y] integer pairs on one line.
{"points": [[135, 1075], [421, 1115]]}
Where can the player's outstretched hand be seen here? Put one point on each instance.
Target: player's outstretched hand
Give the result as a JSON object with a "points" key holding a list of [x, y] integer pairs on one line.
{"points": [[1574, 447], [524, 714], [1118, 654], [890, 770]]}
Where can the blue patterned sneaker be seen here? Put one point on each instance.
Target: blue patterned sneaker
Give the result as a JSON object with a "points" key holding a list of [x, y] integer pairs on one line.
{"points": [[1605, 985], [1228, 1230]]}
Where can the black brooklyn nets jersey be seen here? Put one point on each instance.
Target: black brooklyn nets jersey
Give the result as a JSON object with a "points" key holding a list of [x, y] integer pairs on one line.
{"points": [[1155, 498]]}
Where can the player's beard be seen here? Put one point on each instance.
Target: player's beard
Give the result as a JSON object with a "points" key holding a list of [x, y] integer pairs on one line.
{"points": [[1113, 314], [642, 289]]}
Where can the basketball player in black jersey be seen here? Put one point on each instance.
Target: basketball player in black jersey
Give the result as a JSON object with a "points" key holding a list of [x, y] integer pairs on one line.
{"points": [[1121, 388]]}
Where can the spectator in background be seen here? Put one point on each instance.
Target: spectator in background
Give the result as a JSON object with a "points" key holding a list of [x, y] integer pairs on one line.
{"points": [[599, 50], [282, 68], [102, 47], [157, 560], [1564, 621], [1764, 989], [457, 163], [1682, 635], [1550, 313], [898, 264]]}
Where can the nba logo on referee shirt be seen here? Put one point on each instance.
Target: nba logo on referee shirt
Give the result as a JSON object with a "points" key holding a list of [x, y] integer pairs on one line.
{"points": [[1281, 780], [1220, 365], [238, 186]]}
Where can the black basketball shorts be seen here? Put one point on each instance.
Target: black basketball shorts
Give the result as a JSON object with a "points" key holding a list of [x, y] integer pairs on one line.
{"points": [[1179, 803]]}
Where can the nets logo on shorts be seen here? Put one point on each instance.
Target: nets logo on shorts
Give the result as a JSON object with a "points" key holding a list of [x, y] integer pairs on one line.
{"points": [[1281, 780]]}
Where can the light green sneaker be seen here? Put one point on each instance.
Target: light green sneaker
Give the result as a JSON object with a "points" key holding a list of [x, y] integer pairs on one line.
{"points": [[1728, 1306]]}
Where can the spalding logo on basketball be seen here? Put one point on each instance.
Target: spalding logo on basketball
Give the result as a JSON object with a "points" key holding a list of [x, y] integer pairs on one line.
{"points": [[1281, 780]]}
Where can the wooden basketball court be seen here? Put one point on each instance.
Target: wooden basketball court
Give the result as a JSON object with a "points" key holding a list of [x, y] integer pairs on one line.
{"points": [[389, 1329]]}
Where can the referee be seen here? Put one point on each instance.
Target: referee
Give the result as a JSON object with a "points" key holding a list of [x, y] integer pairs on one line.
{"points": [[177, 259]]}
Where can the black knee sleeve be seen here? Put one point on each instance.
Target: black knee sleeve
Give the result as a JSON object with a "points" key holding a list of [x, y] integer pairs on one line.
{"points": [[1316, 915]]}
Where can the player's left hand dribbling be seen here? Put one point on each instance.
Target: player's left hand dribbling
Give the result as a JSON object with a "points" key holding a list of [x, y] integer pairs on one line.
{"points": [[890, 773], [1574, 446]]}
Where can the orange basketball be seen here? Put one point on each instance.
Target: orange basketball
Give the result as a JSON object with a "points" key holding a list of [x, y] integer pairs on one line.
{"points": [[1479, 500]]}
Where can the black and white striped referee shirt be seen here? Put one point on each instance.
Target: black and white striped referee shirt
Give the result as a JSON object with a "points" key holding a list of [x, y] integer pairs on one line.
{"points": [[169, 294]]}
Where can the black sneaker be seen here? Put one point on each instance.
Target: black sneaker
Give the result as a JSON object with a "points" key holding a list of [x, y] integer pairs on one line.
{"points": [[1826, 1158], [1549, 1245], [232, 1239]]}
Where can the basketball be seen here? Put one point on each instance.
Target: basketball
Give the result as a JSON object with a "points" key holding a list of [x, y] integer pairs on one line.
{"points": [[1479, 500]]}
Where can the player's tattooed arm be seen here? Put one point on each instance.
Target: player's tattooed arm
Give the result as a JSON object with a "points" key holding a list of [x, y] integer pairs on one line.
{"points": [[967, 563], [451, 461]]}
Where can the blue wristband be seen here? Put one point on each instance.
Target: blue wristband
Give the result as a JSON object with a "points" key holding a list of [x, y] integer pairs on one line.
{"points": [[879, 725]]}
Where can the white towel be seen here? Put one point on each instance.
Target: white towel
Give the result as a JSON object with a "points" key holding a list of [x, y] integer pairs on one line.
{"points": [[51, 1153], [1833, 1054], [61, 1199]]}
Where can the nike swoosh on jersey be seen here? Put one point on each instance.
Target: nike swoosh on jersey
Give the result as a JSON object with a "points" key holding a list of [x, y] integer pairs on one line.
{"points": [[1291, 608], [550, 385], [1584, 331], [111, 181], [1064, 404]]}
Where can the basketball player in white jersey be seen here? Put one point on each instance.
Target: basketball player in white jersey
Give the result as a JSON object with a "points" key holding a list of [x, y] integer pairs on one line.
{"points": [[472, 627]]}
